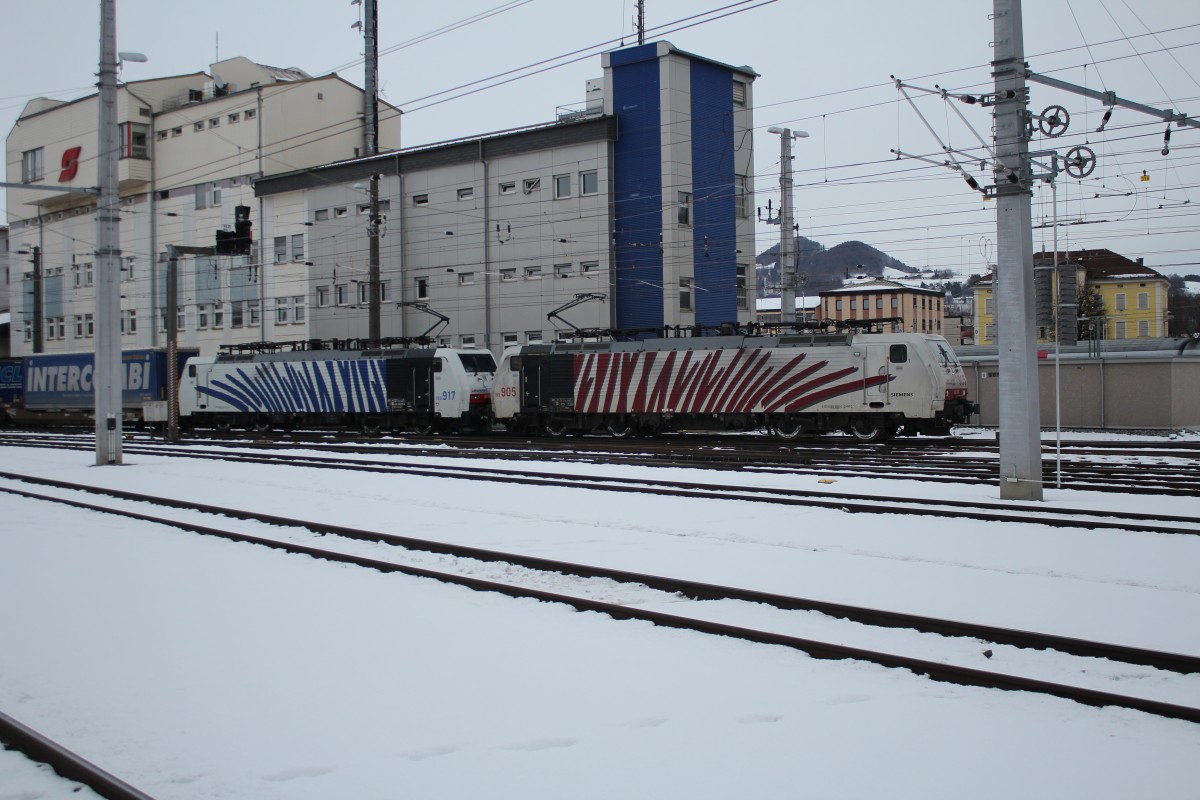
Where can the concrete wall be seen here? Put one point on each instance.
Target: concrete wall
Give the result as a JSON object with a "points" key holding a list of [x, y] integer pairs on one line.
{"points": [[1108, 394]]}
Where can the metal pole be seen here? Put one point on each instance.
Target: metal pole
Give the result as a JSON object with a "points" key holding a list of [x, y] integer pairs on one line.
{"points": [[1056, 298], [1020, 421], [787, 241], [371, 97], [172, 344], [641, 21], [107, 374], [39, 321]]}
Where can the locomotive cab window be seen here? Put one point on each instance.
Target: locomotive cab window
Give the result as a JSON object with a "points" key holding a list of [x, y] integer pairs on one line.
{"points": [[477, 362], [898, 354], [437, 365], [191, 370]]}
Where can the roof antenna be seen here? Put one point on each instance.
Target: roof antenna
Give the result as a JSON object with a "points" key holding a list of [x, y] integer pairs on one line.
{"points": [[641, 21]]}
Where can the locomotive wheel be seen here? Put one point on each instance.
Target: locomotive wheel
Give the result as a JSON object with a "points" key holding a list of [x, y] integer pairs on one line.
{"points": [[866, 429], [262, 425], [370, 426], [223, 423], [619, 428], [787, 428], [423, 426], [556, 428]]}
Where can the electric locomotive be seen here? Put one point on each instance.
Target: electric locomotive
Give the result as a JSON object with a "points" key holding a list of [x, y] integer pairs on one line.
{"points": [[870, 386], [367, 386]]}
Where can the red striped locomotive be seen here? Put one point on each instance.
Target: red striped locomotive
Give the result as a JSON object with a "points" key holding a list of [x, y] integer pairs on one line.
{"points": [[871, 386]]}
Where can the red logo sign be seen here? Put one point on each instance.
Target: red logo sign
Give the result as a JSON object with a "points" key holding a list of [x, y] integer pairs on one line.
{"points": [[70, 164]]}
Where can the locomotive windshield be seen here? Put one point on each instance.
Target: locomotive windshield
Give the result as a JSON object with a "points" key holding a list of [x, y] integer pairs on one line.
{"points": [[478, 362]]}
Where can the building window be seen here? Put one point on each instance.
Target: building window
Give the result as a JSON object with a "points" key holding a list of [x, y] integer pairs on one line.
{"points": [[129, 321], [989, 305], [684, 214], [234, 117], [741, 286], [854, 305], [297, 309], [281, 310], [466, 193], [322, 296], [533, 273], [78, 326], [176, 132], [202, 316], [215, 122], [589, 268], [321, 215], [562, 186], [218, 316], [235, 314], [1120, 298], [741, 193], [253, 308], [420, 199], [589, 182], [280, 249], [533, 336], [1143, 301], [160, 135], [837, 304], [215, 197], [508, 187], [1143, 327], [563, 271], [422, 288], [466, 278], [1119, 330], [199, 126], [989, 331], [339, 212], [531, 185], [385, 291], [508, 274], [739, 94], [340, 297], [249, 113], [879, 303], [895, 302], [509, 338], [135, 138], [32, 166], [364, 293], [297, 247], [89, 325], [685, 294]]}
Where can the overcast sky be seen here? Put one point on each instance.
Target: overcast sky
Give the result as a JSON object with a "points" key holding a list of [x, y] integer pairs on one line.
{"points": [[824, 68]]}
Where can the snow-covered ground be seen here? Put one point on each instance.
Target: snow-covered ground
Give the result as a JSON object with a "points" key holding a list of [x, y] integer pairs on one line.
{"points": [[198, 668]]}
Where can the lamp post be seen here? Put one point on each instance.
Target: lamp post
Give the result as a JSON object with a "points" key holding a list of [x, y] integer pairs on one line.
{"points": [[787, 240]]}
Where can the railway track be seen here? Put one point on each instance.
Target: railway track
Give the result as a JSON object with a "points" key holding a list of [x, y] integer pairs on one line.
{"points": [[1168, 468], [941, 648], [1055, 516], [37, 747]]}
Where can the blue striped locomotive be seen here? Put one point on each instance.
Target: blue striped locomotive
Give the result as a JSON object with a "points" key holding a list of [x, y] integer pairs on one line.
{"points": [[416, 388], [871, 386]]}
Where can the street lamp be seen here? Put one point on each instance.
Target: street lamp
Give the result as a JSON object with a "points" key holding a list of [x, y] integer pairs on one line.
{"points": [[787, 260]]}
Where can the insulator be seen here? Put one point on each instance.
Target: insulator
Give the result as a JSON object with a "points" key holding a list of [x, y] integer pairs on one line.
{"points": [[1104, 120]]}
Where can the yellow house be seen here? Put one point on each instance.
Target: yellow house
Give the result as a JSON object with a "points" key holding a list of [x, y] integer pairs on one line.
{"points": [[1128, 300]]}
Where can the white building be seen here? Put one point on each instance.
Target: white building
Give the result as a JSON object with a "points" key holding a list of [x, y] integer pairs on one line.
{"points": [[641, 199], [190, 147]]}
